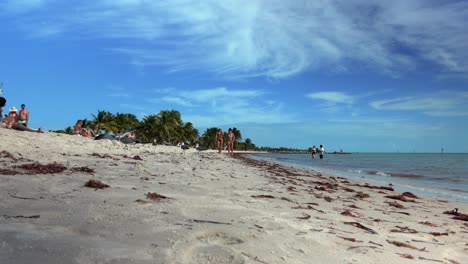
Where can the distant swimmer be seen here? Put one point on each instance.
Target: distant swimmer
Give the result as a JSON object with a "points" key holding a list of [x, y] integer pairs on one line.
{"points": [[322, 151], [314, 151]]}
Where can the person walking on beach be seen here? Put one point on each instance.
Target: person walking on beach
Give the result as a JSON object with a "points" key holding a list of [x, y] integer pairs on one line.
{"points": [[23, 116], [219, 139], [231, 140], [322, 151]]}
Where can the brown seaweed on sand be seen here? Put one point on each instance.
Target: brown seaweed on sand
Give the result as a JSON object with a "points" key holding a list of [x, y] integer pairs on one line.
{"points": [[304, 217], [155, 196], [395, 204], [22, 216], [359, 225], [105, 156], [263, 196], [307, 207], [374, 187], [96, 184], [403, 229], [408, 256], [140, 201], [350, 239], [438, 234], [411, 195], [37, 168], [347, 189], [361, 195], [400, 197], [349, 213], [8, 172], [457, 215], [401, 244], [427, 224], [82, 169]]}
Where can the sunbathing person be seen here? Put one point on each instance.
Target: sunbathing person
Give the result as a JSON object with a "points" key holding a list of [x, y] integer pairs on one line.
{"points": [[12, 122], [80, 130]]}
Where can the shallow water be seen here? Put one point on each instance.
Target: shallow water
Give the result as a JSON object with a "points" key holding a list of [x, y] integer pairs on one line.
{"points": [[443, 176]]}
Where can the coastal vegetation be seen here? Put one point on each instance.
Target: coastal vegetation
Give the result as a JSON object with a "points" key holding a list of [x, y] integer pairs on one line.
{"points": [[166, 126]]}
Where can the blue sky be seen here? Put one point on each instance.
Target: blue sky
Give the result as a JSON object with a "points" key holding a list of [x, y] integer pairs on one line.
{"points": [[354, 75]]}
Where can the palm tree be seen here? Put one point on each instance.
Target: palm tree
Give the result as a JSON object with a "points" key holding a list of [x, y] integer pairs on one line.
{"points": [[237, 133], [209, 137], [169, 122], [104, 120], [148, 130], [189, 133], [126, 122], [247, 144]]}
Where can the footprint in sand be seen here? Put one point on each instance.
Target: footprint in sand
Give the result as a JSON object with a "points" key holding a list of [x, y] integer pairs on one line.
{"points": [[211, 248]]}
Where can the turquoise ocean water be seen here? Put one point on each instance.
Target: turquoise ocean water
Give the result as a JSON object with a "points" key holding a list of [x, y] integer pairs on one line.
{"points": [[443, 176]]}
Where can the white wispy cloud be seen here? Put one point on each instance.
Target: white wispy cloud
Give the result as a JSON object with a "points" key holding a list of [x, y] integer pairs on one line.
{"points": [[218, 106], [332, 97], [118, 95], [268, 38], [438, 104]]}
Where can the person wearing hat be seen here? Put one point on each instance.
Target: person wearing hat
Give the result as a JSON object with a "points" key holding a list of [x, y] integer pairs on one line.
{"points": [[12, 117], [12, 122]]}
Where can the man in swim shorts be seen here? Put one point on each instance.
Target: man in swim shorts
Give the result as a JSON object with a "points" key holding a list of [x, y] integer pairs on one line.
{"points": [[23, 116]]}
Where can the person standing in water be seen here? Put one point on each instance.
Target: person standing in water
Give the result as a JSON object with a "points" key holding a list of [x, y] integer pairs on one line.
{"points": [[322, 151], [314, 151]]}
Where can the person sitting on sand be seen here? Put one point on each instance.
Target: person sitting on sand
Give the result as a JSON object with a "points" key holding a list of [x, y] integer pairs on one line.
{"points": [[12, 122], [23, 115], [80, 130], [12, 116]]}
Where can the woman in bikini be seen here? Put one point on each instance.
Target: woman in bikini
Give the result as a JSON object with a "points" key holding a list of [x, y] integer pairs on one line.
{"points": [[219, 139]]}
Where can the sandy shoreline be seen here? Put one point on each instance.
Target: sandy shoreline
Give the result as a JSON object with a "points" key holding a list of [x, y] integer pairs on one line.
{"points": [[212, 209]]}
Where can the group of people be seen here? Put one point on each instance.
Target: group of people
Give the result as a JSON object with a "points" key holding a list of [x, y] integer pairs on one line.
{"points": [[220, 140], [16, 120], [321, 151], [79, 130]]}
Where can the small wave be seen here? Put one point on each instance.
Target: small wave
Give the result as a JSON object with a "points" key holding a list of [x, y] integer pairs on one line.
{"points": [[458, 190], [408, 176], [381, 173]]}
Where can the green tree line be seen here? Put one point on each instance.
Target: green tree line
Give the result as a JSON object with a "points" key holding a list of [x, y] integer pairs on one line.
{"points": [[166, 126]]}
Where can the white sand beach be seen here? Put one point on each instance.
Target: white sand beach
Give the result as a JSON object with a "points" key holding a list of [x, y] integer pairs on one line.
{"points": [[206, 208]]}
